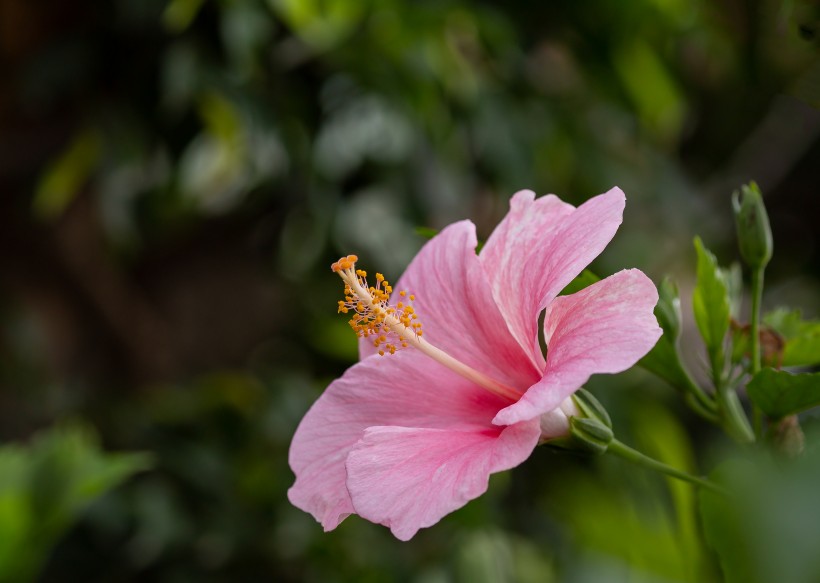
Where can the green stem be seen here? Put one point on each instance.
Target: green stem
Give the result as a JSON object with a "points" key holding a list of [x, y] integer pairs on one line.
{"points": [[697, 399], [734, 417], [697, 392], [757, 296], [637, 457]]}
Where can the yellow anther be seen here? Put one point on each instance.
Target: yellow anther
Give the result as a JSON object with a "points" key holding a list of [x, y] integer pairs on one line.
{"points": [[412, 298], [388, 327]]}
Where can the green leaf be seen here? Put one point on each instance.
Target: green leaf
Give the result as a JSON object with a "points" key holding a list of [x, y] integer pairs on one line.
{"points": [[668, 309], [788, 323], [803, 350], [426, 232], [663, 360], [779, 393], [710, 301], [802, 337], [586, 279]]}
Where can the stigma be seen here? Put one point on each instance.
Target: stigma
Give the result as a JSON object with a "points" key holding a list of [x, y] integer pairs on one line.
{"points": [[392, 327]]}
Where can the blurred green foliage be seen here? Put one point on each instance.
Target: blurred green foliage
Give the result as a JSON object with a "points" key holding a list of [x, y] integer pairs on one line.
{"points": [[43, 489], [178, 175], [768, 530]]}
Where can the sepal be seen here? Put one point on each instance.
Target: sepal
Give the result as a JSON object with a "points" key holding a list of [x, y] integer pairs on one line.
{"points": [[591, 407], [590, 434]]}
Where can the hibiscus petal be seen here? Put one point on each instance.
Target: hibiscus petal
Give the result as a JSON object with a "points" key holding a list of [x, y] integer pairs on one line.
{"points": [[604, 328], [539, 247], [409, 478], [406, 388], [456, 308]]}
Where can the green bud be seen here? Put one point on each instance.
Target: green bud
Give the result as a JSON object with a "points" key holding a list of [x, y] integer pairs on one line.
{"points": [[590, 431], [590, 407], [754, 235], [590, 434]]}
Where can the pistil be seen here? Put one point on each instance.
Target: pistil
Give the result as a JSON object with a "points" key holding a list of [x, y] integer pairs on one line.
{"points": [[374, 316]]}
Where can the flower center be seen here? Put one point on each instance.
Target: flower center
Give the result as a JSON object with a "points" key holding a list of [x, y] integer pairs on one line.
{"points": [[393, 327]]}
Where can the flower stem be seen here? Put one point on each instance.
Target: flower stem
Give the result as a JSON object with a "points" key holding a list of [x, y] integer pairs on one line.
{"points": [[757, 295], [637, 457], [735, 421], [707, 406]]}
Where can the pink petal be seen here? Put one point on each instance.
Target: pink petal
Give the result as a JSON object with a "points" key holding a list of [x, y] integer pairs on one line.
{"points": [[408, 478], [539, 247], [406, 388], [456, 308], [605, 328]]}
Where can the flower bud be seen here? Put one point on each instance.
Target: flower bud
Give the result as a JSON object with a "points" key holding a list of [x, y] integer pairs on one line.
{"points": [[754, 235], [589, 428], [590, 407], [590, 434], [593, 430]]}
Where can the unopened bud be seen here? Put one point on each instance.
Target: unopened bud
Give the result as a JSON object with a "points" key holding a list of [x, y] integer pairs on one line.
{"points": [[591, 407], [590, 434], [590, 428], [754, 235]]}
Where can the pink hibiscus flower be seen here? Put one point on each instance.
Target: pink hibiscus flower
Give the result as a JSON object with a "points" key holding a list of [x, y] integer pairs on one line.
{"points": [[406, 438]]}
